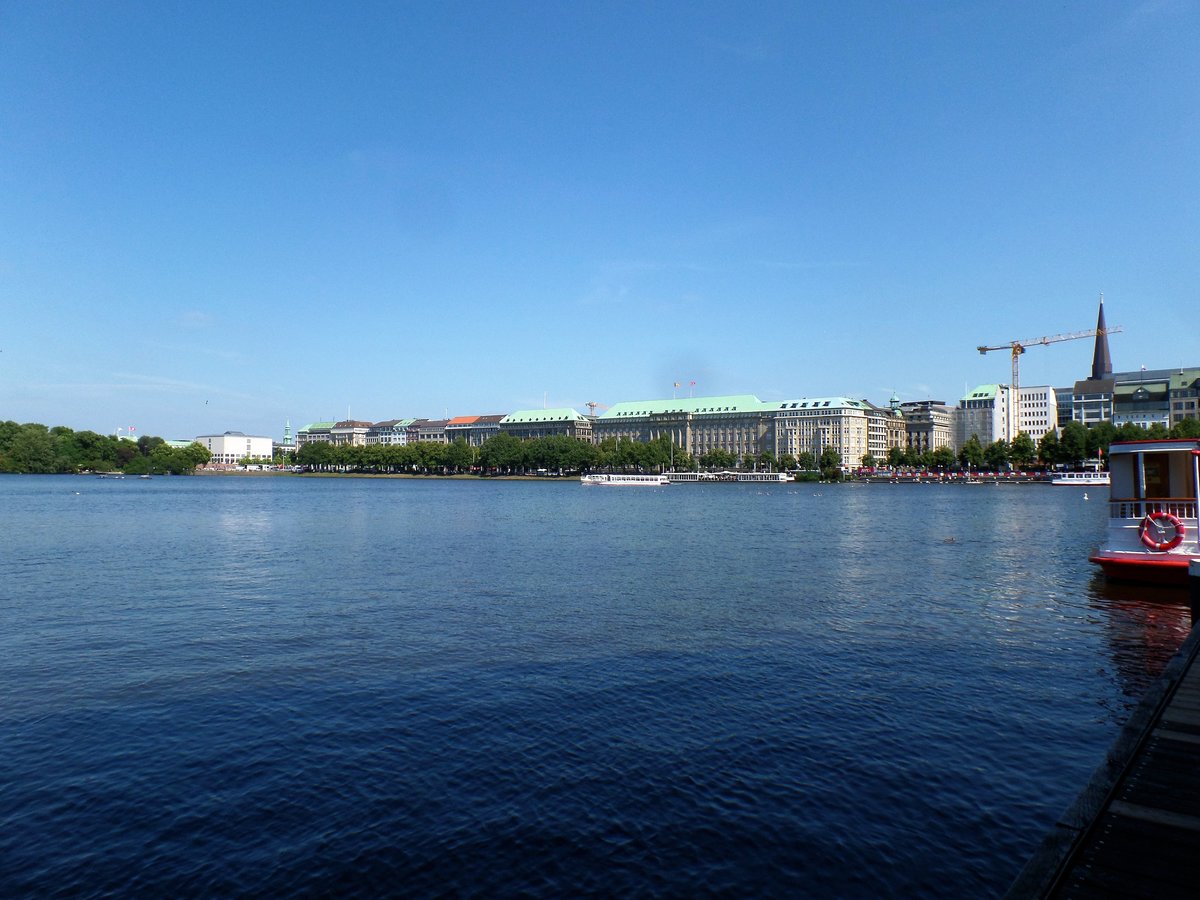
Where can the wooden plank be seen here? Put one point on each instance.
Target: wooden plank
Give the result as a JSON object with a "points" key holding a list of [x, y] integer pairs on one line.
{"points": [[1181, 717], [1096, 881], [1170, 734], [1157, 815]]}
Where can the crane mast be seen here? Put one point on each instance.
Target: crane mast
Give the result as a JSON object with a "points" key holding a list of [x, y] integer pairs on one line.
{"points": [[1017, 348]]}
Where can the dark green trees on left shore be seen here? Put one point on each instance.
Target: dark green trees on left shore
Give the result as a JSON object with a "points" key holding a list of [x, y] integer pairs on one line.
{"points": [[35, 449]]}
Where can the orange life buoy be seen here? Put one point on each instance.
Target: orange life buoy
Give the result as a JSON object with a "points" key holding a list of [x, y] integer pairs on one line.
{"points": [[1154, 518]]}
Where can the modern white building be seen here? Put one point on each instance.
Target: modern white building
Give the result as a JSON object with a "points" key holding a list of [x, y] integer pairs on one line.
{"points": [[1037, 411], [233, 446]]}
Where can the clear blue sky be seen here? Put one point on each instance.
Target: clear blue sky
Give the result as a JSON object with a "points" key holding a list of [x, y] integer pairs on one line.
{"points": [[223, 215]]}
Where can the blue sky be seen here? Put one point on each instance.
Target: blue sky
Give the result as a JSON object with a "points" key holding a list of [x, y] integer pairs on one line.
{"points": [[221, 216]]}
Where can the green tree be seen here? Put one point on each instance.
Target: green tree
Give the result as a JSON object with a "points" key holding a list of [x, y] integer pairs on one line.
{"points": [[895, 457], [1073, 444], [942, 458], [831, 464], [1186, 428], [1023, 450], [32, 450], [718, 459], [1099, 436], [869, 461], [806, 461], [971, 454], [1048, 448], [459, 455], [787, 462], [501, 454], [317, 456], [996, 455]]}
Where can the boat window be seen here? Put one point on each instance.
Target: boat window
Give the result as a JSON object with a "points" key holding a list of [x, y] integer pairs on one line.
{"points": [[1158, 478]]}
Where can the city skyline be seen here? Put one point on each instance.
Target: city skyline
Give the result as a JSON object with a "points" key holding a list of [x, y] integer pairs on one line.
{"points": [[230, 217]]}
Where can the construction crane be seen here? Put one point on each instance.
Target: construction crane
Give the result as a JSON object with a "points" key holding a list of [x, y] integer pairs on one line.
{"points": [[592, 406], [1018, 347]]}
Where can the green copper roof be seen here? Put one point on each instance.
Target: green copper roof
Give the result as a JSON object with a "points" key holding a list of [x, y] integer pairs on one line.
{"points": [[732, 403], [532, 416], [983, 392], [735, 403], [319, 426]]}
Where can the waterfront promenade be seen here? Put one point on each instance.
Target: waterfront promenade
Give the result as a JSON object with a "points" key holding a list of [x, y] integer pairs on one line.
{"points": [[1134, 831]]}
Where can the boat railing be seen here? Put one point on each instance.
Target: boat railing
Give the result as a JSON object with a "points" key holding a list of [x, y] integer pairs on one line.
{"points": [[1181, 507]]}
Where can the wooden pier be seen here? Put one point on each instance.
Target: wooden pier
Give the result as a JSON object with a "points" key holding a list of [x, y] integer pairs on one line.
{"points": [[1135, 829]]}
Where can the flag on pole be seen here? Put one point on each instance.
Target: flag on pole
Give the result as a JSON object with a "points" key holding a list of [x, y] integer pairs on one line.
{"points": [[677, 384]]}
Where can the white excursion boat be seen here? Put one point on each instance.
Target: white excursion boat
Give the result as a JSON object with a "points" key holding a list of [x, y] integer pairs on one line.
{"points": [[1091, 478], [617, 480], [683, 477], [1152, 533]]}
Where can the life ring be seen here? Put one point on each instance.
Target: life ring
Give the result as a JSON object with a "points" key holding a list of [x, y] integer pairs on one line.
{"points": [[1148, 538]]}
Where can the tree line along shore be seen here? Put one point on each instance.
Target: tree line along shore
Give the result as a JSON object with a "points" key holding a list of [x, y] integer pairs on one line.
{"points": [[38, 449], [35, 449]]}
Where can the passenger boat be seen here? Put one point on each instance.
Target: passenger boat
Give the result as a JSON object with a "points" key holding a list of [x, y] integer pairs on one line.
{"points": [[1091, 478], [1152, 533], [617, 480]]}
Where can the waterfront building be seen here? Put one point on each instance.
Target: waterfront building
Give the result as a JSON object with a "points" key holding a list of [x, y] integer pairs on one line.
{"points": [[983, 413], [1184, 387], [1037, 411], [1066, 405], [1142, 398], [391, 432], [349, 433], [428, 431], [232, 446], [886, 429], [316, 433], [536, 423], [740, 424], [473, 429], [1092, 401], [814, 425], [929, 425]]}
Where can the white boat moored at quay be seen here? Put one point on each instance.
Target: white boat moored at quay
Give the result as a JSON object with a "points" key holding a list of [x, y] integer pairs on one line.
{"points": [[1092, 478], [682, 477], [1152, 525], [619, 480]]}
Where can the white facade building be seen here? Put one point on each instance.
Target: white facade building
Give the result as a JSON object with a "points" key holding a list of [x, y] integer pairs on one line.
{"points": [[1037, 411], [825, 422], [232, 446]]}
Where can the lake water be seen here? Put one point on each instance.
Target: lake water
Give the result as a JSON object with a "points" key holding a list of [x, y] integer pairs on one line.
{"points": [[360, 687]]}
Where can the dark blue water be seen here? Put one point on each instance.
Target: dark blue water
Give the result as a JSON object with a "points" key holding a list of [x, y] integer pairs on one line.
{"points": [[285, 686]]}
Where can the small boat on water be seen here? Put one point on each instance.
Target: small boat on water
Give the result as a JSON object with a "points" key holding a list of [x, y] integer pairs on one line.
{"points": [[1152, 524], [618, 480]]}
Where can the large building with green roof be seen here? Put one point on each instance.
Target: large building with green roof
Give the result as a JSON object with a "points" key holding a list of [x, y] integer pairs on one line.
{"points": [[745, 426], [537, 423]]}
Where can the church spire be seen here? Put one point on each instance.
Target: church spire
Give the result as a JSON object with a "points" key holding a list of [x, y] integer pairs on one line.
{"points": [[1101, 360]]}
